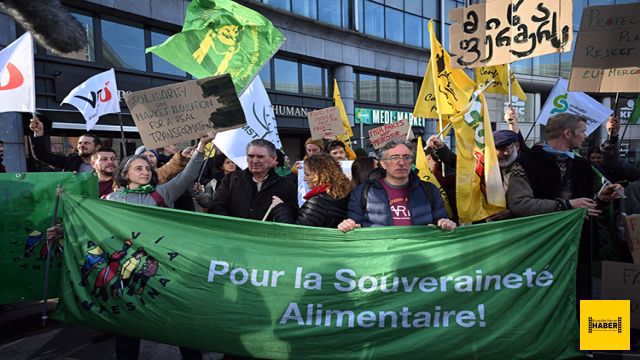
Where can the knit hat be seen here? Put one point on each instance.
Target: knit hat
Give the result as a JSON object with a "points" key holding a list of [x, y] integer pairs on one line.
{"points": [[504, 138], [141, 150], [318, 142]]}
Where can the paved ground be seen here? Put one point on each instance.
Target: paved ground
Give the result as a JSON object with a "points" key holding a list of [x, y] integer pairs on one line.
{"points": [[22, 336]]}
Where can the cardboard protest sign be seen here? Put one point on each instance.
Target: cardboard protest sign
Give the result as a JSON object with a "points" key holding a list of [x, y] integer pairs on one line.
{"points": [[562, 100], [621, 281], [394, 131], [325, 120], [482, 34], [607, 49], [185, 111], [632, 234]]}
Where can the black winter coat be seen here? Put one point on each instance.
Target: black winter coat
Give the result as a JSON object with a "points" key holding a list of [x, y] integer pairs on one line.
{"points": [[238, 195], [69, 162], [321, 211]]}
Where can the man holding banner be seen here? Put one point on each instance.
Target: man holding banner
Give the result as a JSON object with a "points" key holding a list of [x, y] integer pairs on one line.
{"points": [[400, 198], [550, 177]]}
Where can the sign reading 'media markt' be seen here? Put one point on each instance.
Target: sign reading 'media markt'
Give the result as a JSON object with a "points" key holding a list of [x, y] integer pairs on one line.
{"points": [[376, 116]]}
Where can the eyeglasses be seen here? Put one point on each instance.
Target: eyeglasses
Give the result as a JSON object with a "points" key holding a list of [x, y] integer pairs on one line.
{"points": [[398, 158]]}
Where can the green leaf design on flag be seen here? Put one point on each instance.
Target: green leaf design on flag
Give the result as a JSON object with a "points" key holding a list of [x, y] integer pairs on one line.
{"points": [[221, 37]]}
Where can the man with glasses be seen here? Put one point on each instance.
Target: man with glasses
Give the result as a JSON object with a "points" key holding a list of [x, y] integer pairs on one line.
{"points": [[248, 194], [399, 198]]}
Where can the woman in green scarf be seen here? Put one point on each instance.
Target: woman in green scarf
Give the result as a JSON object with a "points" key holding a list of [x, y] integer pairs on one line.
{"points": [[137, 181]]}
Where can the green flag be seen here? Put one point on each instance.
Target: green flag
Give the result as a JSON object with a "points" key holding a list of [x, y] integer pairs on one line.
{"points": [[27, 201], [221, 37], [494, 291], [635, 114]]}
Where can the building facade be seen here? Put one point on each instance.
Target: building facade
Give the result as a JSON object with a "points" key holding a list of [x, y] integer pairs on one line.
{"points": [[376, 50]]}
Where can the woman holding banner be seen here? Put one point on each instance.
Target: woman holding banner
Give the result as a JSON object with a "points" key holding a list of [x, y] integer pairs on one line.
{"points": [[327, 201], [138, 184]]}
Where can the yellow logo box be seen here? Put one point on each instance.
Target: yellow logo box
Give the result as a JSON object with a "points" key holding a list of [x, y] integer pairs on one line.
{"points": [[604, 324]]}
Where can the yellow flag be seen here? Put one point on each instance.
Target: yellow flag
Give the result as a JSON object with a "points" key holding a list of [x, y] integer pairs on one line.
{"points": [[479, 190], [452, 87], [498, 73], [426, 102], [426, 175], [343, 113]]}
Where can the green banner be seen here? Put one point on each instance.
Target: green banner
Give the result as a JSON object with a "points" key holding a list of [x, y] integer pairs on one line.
{"points": [[220, 37], [27, 201], [493, 291]]}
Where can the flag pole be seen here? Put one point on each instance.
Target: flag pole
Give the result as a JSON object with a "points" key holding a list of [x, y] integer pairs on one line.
{"points": [[124, 147], [54, 218], [615, 108], [206, 159]]}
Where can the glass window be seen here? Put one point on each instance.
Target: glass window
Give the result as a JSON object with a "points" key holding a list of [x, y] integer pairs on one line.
{"points": [[123, 45], [265, 75], [159, 64], [394, 25], [367, 88], [282, 4], [600, 2], [312, 80], [426, 41], [286, 73], [88, 53], [566, 58], [547, 65], [388, 90], [406, 92], [412, 30], [430, 9], [360, 15], [578, 6], [445, 39], [522, 66], [448, 5], [330, 12], [626, 1], [345, 14], [308, 8], [373, 19]]}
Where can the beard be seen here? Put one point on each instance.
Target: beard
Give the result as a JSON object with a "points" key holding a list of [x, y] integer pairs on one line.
{"points": [[504, 163]]}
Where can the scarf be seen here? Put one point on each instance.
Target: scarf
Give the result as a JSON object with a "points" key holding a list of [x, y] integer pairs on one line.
{"points": [[144, 189], [315, 191]]}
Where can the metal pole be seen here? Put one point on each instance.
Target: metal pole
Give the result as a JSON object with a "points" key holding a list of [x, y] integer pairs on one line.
{"points": [[362, 135], [45, 296], [124, 148], [615, 108]]}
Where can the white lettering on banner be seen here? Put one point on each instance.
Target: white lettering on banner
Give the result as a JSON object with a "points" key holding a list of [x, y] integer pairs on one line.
{"points": [[348, 280]]}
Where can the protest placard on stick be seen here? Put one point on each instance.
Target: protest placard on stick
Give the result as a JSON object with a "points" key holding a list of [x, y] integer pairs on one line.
{"points": [[607, 48], [325, 122], [483, 35], [185, 111], [386, 133]]}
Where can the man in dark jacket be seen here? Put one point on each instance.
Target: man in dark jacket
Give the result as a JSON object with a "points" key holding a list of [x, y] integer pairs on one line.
{"points": [[88, 144], [248, 194], [551, 177], [397, 199]]}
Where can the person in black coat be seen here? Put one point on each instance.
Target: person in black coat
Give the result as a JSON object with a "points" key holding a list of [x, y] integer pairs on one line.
{"points": [[248, 194], [327, 201]]}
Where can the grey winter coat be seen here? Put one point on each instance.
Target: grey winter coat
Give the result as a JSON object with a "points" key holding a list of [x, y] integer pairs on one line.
{"points": [[169, 191]]}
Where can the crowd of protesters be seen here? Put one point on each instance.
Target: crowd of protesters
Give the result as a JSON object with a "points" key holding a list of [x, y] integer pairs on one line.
{"points": [[385, 190]]}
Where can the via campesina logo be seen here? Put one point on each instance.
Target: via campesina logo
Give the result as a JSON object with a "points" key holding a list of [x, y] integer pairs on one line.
{"points": [[560, 104]]}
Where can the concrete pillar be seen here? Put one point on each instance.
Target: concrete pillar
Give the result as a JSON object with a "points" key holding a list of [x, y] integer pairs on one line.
{"points": [[347, 84], [10, 122]]}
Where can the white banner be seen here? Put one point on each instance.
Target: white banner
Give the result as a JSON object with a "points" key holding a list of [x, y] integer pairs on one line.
{"points": [[261, 124], [17, 84], [97, 96], [303, 188], [560, 100]]}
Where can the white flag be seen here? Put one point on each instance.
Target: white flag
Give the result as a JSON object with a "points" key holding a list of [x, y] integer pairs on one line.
{"points": [[17, 84], [261, 124], [560, 100], [97, 96]]}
